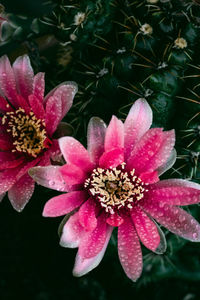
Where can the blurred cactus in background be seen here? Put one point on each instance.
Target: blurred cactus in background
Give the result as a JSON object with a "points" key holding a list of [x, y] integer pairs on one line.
{"points": [[117, 51]]}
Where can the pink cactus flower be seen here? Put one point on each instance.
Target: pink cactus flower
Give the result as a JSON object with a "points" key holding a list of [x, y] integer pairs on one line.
{"points": [[28, 122], [115, 183]]}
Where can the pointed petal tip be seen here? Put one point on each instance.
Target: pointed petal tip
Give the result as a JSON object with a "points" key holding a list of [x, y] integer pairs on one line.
{"points": [[134, 279], [96, 120], [18, 207], [4, 57], [24, 56], [137, 122], [196, 236], [21, 59], [68, 244], [48, 212], [142, 101], [44, 213], [72, 84], [84, 266], [77, 274], [4, 60], [48, 176], [95, 138], [168, 164], [21, 192]]}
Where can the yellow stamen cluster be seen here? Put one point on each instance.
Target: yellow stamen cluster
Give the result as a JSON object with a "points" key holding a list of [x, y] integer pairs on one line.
{"points": [[115, 188], [27, 131]]}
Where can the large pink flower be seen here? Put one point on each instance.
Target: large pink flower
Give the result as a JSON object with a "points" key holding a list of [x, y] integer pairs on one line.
{"points": [[27, 124], [115, 183]]}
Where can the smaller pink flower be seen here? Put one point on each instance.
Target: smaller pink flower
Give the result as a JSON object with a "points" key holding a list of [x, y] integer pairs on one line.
{"points": [[28, 122], [115, 183]]}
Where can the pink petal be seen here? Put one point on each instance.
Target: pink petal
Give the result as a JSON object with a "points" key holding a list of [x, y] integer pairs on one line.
{"points": [[53, 114], [58, 102], [46, 161], [23, 103], [4, 105], [71, 84], [5, 144], [39, 86], [9, 162], [66, 93], [23, 75], [112, 158], [92, 243], [37, 107], [72, 174], [168, 164], [145, 149], [72, 232], [63, 204], [7, 80], [87, 215], [146, 229], [8, 178], [49, 177], [175, 192], [149, 177], [136, 124], [96, 136], [165, 150], [26, 166], [174, 219], [114, 135], [84, 265], [7, 155], [152, 151], [21, 192], [115, 220], [129, 250], [74, 153]]}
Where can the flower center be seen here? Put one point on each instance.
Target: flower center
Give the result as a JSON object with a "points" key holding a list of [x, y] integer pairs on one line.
{"points": [[115, 188], [28, 132]]}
